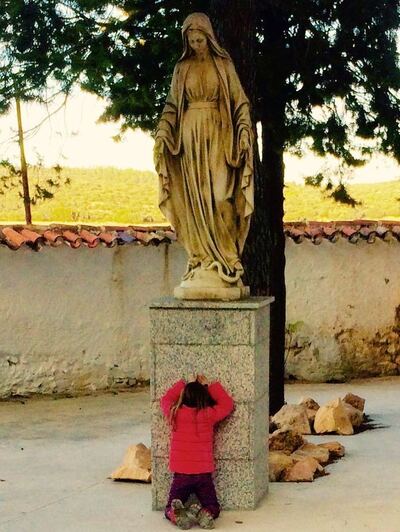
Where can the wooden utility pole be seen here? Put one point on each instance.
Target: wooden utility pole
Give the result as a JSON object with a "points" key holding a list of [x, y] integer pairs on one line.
{"points": [[24, 168]]}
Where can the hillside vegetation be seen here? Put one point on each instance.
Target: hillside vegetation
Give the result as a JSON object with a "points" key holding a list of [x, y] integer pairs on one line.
{"points": [[113, 196]]}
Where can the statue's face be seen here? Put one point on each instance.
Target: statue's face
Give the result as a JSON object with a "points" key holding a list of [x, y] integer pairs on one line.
{"points": [[197, 41]]}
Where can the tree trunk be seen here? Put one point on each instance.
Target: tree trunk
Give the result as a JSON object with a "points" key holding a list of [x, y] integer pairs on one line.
{"points": [[235, 22], [274, 173], [24, 168]]}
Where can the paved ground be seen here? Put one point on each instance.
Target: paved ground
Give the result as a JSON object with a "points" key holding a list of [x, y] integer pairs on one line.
{"points": [[55, 456]]}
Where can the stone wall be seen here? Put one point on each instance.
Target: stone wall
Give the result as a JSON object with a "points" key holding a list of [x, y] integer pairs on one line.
{"points": [[77, 319]]}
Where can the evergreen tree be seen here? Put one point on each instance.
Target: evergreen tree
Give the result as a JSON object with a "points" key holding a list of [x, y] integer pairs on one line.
{"points": [[324, 71]]}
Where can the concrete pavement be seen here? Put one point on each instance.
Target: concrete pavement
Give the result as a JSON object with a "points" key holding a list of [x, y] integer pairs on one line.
{"points": [[56, 454]]}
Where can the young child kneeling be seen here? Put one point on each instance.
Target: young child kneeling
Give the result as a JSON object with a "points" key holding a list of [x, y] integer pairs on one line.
{"points": [[193, 409]]}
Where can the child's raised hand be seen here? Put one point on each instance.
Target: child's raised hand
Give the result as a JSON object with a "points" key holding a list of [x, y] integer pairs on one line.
{"points": [[202, 379]]}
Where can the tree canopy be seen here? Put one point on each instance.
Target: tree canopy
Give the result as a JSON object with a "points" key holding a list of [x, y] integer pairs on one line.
{"points": [[337, 61]]}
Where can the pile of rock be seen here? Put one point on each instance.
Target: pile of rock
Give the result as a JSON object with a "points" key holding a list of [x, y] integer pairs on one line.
{"points": [[341, 416], [294, 459]]}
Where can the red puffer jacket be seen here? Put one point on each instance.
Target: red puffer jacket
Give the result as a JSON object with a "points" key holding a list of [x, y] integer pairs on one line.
{"points": [[191, 448]]}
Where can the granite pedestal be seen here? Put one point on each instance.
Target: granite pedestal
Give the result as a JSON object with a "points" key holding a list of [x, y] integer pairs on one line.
{"points": [[229, 342]]}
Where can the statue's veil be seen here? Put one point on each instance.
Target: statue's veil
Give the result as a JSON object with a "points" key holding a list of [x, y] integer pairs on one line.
{"points": [[201, 22]]}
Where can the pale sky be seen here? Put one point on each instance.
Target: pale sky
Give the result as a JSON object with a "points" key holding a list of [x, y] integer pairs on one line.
{"points": [[72, 137]]}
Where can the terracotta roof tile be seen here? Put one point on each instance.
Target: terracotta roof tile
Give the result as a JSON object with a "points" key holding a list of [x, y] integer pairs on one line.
{"points": [[316, 232], [13, 239], [295, 234], [54, 238], [110, 239], [384, 232], [72, 239], [368, 233], [91, 239], [331, 233], [396, 231]]}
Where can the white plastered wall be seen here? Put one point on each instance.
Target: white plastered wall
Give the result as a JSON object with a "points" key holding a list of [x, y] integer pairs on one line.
{"points": [[342, 300], [77, 320]]}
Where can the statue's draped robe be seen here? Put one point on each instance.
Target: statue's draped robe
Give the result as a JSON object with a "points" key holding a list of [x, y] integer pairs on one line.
{"points": [[206, 187]]}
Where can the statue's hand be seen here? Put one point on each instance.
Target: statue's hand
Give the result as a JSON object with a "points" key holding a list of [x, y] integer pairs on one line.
{"points": [[244, 142]]}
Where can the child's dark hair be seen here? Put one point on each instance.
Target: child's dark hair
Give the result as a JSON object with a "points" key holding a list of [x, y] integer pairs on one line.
{"points": [[194, 395]]}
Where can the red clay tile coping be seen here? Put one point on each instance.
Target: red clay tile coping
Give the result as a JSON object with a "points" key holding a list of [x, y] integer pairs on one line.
{"points": [[35, 237]]}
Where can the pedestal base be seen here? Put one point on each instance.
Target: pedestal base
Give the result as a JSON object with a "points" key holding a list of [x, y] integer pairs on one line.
{"points": [[203, 284], [212, 294], [229, 342]]}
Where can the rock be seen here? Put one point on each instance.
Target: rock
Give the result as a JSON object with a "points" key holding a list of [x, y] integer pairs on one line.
{"points": [[354, 400], [336, 449], [311, 407], [333, 417], [285, 440], [356, 416], [309, 403], [303, 471], [136, 464], [278, 462], [293, 417], [387, 368], [315, 451]]}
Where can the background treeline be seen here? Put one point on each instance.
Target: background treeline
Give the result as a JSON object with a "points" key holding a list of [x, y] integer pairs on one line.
{"points": [[115, 196]]}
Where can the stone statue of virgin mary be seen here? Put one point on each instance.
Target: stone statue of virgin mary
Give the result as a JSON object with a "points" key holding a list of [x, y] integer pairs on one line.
{"points": [[203, 156]]}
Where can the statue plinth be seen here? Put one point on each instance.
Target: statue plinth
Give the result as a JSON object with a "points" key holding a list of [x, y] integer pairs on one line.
{"points": [[205, 284], [227, 341]]}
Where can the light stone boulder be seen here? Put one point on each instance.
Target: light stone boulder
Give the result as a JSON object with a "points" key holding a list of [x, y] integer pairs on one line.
{"points": [[286, 441], [320, 454], [354, 400], [136, 464], [336, 449], [355, 415], [333, 417], [293, 417], [311, 406], [305, 470], [278, 463]]}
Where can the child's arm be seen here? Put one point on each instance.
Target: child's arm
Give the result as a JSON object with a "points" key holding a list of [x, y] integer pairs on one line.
{"points": [[224, 401], [171, 396]]}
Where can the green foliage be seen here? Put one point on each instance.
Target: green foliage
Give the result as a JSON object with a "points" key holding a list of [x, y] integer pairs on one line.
{"points": [[338, 192], [42, 42], [332, 64], [111, 196], [43, 184], [337, 59]]}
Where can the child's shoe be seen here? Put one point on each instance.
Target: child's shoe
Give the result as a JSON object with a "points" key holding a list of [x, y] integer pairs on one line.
{"points": [[205, 519], [182, 519], [193, 512]]}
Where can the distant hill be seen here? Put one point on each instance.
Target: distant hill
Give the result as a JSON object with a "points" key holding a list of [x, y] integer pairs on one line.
{"points": [[113, 196]]}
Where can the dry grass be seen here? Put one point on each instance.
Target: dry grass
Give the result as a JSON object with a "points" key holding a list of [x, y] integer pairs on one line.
{"points": [[113, 196]]}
